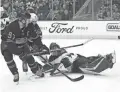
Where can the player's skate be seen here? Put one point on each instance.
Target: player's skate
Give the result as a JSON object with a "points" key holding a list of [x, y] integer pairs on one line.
{"points": [[39, 72], [25, 66], [16, 78]]}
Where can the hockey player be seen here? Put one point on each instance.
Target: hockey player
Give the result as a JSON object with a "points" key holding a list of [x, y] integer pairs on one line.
{"points": [[4, 20], [75, 63], [35, 39], [14, 42], [35, 32]]}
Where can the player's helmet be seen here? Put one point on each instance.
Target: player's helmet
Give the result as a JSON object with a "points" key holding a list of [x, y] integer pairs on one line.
{"points": [[34, 17], [23, 16], [52, 45], [1, 9]]}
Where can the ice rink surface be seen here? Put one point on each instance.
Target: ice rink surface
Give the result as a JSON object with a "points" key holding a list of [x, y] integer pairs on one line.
{"points": [[108, 81]]}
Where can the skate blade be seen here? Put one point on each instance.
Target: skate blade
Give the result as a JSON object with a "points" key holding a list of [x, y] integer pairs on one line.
{"points": [[17, 83], [34, 77], [26, 73]]}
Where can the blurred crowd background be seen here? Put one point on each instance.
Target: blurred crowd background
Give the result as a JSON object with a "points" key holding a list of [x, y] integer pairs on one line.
{"points": [[109, 10], [60, 9]]}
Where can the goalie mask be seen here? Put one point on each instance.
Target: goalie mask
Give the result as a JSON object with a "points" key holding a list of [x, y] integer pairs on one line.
{"points": [[54, 46], [56, 50]]}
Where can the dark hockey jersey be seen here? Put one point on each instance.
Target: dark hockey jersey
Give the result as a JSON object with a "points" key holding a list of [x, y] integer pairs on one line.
{"points": [[34, 34], [13, 38], [34, 31], [13, 31]]}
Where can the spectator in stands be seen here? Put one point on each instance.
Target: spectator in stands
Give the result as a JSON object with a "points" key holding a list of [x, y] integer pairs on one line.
{"points": [[105, 12], [43, 8]]}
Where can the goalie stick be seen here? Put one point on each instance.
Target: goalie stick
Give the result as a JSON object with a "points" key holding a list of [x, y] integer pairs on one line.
{"points": [[72, 79], [74, 45], [36, 53]]}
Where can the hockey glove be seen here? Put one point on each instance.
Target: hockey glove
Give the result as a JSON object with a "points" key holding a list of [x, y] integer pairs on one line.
{"points": [[20, 40]]}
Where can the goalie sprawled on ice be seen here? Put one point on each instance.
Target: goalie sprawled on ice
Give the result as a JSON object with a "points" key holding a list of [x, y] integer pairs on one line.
{"points": [[76, 63]]}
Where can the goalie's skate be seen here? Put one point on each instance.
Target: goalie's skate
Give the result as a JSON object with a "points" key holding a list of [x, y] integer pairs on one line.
{"points": [[113, 60]]}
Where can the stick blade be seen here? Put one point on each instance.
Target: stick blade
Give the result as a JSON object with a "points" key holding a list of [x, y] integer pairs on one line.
{"points": [[78, 79]]}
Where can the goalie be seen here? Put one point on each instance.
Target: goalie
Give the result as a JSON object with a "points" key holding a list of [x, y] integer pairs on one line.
{"points": [[76, 63]]}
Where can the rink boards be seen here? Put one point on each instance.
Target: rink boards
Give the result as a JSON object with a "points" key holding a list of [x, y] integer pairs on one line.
{"points": [[80, 29]]}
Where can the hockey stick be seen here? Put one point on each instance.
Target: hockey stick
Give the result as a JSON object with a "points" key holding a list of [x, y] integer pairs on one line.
{"points": [[75, 79], [74, 45], [36, 53], [72, 79], [77, 44]]}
